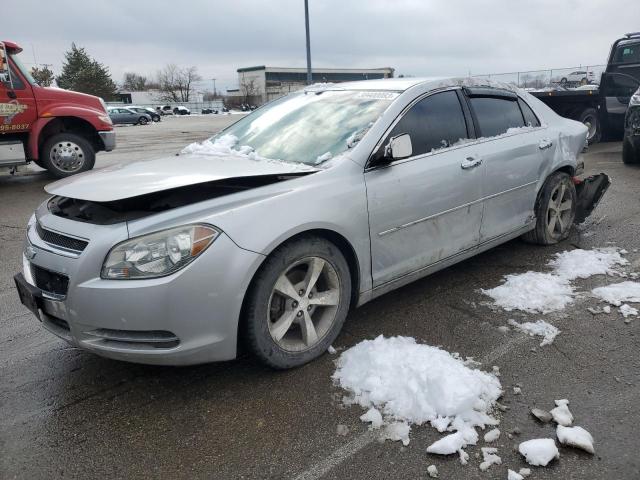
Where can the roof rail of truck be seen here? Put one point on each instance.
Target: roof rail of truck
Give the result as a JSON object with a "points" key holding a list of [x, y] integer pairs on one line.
{"points": [[632, 35]]}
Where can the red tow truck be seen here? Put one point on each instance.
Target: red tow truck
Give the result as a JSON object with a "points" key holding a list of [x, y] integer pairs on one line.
{"points": [[57, 129]]}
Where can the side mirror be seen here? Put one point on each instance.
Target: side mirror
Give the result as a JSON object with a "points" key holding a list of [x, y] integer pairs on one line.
{"points": [[399, 147]]}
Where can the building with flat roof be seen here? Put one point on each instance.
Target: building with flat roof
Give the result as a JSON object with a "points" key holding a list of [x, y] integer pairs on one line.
{"points": [[261, 84]]}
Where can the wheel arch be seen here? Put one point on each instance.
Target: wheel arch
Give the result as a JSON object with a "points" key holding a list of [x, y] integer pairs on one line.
{"points": [[75, 125]]}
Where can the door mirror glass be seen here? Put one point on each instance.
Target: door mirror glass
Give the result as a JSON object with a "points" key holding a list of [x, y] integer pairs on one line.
{"points": [[4, 66], [399, 147]]}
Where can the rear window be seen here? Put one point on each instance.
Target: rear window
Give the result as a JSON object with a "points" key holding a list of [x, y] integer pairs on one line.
{"points": [[530, 118], [496, 115], [627, 53]]}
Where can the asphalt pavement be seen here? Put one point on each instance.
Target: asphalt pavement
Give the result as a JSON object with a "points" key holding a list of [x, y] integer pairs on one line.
{"points": [[65, 413]]}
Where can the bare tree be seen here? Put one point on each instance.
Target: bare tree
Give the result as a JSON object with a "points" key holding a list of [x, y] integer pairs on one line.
{"points": [[135, 82], [248, 89], [176, 84]]}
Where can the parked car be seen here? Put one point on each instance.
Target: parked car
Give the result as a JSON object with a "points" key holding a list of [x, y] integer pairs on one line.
{"points": [[123, 115], [631, 141], [180, 110], [165, 110], [581, 77], [312, 205], [208, 110], [155, 116]]}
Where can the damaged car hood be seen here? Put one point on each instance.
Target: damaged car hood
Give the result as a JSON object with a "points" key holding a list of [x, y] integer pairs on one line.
{"points": [[147, 176]]}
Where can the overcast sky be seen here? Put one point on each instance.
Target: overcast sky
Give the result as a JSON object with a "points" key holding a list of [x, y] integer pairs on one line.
{"points": [[416, 37]]}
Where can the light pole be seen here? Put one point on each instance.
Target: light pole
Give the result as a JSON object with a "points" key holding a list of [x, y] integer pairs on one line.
{"points": [[214, 87], [306, 23]]}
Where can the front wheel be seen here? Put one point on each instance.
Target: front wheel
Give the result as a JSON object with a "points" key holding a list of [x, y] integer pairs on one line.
{"points": [[630, 156], [66, 154], [297, 303], [143, 121], [555, 210]]}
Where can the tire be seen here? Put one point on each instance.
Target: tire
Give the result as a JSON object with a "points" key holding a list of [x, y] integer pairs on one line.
{"points": [[266, 307], [589, 117], [563, 81], [156, 118], [629, 155], [143, 121], [66, 154], [547, 231]]}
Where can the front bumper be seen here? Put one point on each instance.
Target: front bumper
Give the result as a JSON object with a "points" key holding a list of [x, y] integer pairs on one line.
{"points": [[186, 318], [108, 139]]}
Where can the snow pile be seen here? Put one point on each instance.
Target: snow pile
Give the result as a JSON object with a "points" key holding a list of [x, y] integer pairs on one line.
{"points": [[539, 451], [537, 292], [541, 328], [575, 437], [492, 435], [618, 293], [227, 146], [511, 475], [627, 310], [432, 470], [489, 457], [409, 383], [561, 414]]}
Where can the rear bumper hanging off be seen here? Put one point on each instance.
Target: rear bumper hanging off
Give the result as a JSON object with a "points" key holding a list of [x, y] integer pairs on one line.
{"points": [[590, 191]]}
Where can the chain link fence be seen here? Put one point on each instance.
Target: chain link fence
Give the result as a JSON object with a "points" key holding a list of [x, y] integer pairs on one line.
{"points": [[570, 77]]}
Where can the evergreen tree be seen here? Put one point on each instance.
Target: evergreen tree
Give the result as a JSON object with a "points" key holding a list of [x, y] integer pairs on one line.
{"points": [[82, 73], [43, 76]]}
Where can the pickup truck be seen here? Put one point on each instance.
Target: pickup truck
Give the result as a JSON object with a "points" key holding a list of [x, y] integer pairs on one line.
{"points": [[59, 130], [603, 109]]}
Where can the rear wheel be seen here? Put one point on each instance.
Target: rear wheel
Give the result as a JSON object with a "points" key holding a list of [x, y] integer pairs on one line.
{"points": [[555, 210], [66, 154], [297, 303], [143, 121], [590, 119]]}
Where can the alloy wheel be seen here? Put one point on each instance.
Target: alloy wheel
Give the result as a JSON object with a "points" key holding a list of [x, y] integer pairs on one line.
{"points": [[559, 210], [303, 304]]}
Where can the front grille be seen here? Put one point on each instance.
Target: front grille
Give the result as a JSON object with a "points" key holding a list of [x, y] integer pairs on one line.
{"points": [[50, 282], [136, 339], [59, 240]]}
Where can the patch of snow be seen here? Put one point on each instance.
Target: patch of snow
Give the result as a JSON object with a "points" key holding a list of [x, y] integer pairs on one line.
{"points": [[331, 350], [525, 472], [517, 390], [537, 292], [542, 415], [618, 293], [342, 430], [408, 382], [324, 157], [373, 416], [441, 423], [606, 309], [575, 437], [464, 457], [432, 470], [627, 310], [397, 432], [492, 435], [503, 329], [511, 475], [561, 414], [541, 328], [539, 451], [489, 457]]}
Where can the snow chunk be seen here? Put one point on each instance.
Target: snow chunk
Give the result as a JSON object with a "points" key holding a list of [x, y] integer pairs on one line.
{"points": [[617, 293], [492, 435], [539, 451], [464, 457], [627, 310], [414, 383], [324, 157], [511, 475], [440, 423], [331, 350], [575, 437], [373, 416], [397, 431], [606, 309], [532, 292], [561, 414], [540, 327], [432, 470], [489, 457], [525, 472], [586, 263]]}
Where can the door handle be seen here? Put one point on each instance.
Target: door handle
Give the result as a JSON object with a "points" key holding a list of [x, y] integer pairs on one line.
{"points": [[545, 143], [471, 162]]}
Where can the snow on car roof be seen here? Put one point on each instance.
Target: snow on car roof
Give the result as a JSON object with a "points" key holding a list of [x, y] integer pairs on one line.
{"points": [[402, 84]]}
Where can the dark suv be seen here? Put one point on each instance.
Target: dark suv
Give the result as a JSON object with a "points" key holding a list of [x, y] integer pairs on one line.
{"points": [[631, 142]]}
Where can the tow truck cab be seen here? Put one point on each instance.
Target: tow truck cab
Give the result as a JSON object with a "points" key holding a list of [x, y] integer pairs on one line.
{"points": [[58, 129]]}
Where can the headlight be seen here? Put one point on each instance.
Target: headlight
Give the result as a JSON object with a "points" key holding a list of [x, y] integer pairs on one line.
{"points": [[157, 254], [635, 99], [105, 119]]}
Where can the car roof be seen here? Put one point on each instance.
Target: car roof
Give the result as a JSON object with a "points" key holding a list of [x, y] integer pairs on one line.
{"points": [[402, 84]]}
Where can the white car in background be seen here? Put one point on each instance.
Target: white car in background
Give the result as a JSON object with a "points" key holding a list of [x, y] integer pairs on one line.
{"points": [[582, 77]]}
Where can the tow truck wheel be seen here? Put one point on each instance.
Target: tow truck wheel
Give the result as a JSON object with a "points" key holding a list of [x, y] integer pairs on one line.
{"points": [[66, 154], [590, 119], [555, 210]]}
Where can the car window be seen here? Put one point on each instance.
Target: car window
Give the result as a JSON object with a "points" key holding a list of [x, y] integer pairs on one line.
{"points": [[530, 118], [627, 54], [496, 115], [435, 122]]}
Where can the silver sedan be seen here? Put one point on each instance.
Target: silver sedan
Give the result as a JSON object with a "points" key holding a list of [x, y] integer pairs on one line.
{"points": [[316, 203]]}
